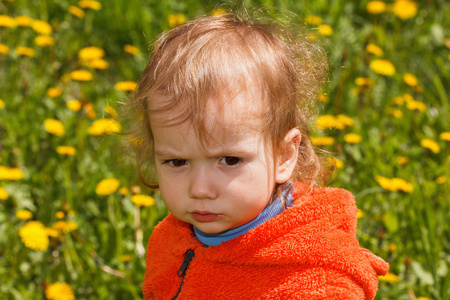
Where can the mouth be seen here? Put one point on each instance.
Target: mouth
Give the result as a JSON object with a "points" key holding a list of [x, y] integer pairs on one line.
{"points": [[205, 216]]}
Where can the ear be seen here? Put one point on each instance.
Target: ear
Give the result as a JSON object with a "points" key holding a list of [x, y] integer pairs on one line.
{"points": [[287, 157]]}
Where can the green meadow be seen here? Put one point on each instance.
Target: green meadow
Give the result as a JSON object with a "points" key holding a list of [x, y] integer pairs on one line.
{"points": [[74, 217]]}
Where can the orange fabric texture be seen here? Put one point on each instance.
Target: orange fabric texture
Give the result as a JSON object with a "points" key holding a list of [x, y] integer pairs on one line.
{"points": [[309, 251]]}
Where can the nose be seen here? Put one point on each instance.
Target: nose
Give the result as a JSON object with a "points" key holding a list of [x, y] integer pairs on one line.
{"points": [[202, 184]]}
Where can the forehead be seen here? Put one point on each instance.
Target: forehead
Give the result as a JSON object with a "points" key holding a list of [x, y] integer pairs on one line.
{"points": [[214, 119]]}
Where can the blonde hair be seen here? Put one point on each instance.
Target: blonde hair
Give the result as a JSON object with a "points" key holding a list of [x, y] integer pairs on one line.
{"points": [[208, 58]]}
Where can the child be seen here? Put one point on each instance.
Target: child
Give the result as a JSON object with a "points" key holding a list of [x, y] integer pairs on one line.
{"points": [[224, 112]]}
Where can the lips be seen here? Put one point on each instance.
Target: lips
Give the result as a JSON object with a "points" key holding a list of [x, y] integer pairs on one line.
{"points": [[205, 216]]}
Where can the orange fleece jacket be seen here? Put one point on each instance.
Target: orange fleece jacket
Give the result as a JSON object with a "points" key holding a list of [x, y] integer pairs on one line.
{"points": [[309, 251]]}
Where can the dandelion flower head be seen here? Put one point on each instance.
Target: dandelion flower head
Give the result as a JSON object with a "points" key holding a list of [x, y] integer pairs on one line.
{"points": [[374, 49], [431, 145], [81, 75], [104, 126], [177, 19], [66, 150], [445, 136], [91, 53], [410, 79], [390, 278], [382, 67], [142, 200], [325, 30], [76, 11], [74, 105], [24, 214], [25, 51], [323, 141], [3, 194], [41, 27], [54, 126], [107, 186], [125, 86], [24, 21], [7, 21], [313, 20], [44, 41], [376, 7], [10, 173], [130, 49], [91, 4], [4, 49], [405, 9], [54, 92], [59, 291], [352, 138], [34, 236]]}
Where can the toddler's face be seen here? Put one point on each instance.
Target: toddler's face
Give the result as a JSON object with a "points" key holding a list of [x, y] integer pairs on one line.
{"points": [[223, 186]]}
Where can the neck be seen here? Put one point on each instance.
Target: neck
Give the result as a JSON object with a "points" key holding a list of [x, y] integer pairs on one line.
{"points": [[274, 209]]}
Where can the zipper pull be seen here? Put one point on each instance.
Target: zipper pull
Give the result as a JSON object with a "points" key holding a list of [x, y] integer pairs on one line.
{"points": [[187, 259]]}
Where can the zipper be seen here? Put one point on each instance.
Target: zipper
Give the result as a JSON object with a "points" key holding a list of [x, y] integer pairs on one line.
{"points": [[182, 270]]}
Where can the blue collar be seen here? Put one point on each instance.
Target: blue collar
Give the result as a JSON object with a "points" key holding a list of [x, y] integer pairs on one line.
{"points": [[274, 209]]}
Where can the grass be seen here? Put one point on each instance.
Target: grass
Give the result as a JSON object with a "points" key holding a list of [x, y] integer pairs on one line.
{"points": [[102, 258]]}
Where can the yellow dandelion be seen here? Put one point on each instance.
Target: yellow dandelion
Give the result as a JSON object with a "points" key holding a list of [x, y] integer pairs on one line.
{"points": [[33, 235], [24, 214], [44, 41], [66, 150], [321, 97], [10, 173], [81, 75], [7, 21], [376, 7], [4, 50], [395, 112], [91, 53], [41, 27], [60, 215], [130, 49], [74, 105], [399, 100], [110, 111], [65, 226], [445, 136], [126, 258], [90, 111], [374, 49], [325, 30], [59, 291], [99, 64], [383, 67], [3, 194], [24, 21], [423, 298], [54, 126], [405, 9], [345, 121], [76, 11], [339, 164], [328, 121], [352, 138], [394, 184], [416, 105], [313, 20], [72, 213], [362, 81], [402, 160], [312, 36], [390, 278], [54, 92], [441, 179], [2, 104], [107, 186], [25, 51], [218, 12], [142, 200], [104, 126], [175, 20], [392, 247], [360, 214], [51, 232], [431, 145], [124, 191], [322, 141], [91, 4], [125, 86], [410, 79]]}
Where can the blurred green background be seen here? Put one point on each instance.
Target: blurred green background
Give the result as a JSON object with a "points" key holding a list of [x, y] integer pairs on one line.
{"points": [[74, 219]]}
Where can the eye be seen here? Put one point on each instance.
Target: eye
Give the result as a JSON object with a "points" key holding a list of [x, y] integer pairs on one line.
{"points": [[176, 162], [230, 160]]}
